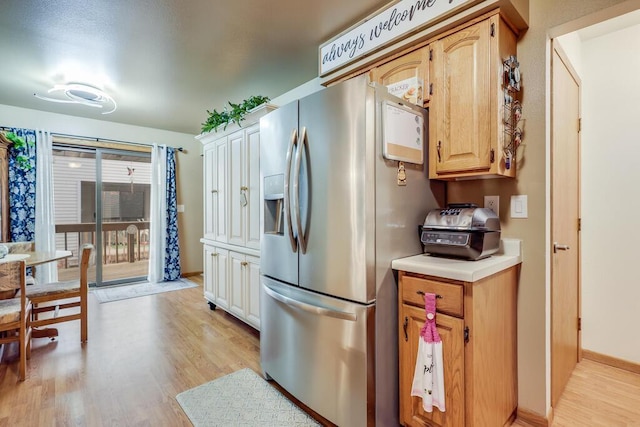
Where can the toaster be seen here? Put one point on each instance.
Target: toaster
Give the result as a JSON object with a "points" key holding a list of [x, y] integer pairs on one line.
{"points": [[462, 231]]}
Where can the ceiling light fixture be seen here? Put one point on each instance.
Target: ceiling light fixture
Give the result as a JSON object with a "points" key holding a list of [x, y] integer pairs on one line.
{"points": [[78, 93]]}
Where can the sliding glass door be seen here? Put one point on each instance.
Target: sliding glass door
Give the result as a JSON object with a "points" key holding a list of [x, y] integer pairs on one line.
{"points": [[102, 196]]}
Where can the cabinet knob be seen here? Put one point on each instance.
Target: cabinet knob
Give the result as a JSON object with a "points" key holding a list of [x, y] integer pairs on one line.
{"points": [[214, 254], [244, 263], [214, 191], [244, 188], [439, 154]]}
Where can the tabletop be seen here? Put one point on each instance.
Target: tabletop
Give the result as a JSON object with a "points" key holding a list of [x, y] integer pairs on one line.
{"points": [[36, 257], [40, 257]]}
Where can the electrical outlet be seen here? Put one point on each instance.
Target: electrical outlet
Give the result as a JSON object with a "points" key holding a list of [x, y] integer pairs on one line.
{"points": [[493, 203]]}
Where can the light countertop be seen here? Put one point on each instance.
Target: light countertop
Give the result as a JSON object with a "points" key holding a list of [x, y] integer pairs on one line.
{"points": [[510, 254]]}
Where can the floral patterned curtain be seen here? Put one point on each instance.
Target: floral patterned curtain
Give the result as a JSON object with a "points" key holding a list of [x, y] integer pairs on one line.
{"points": [[172, 248], [22, 189]]}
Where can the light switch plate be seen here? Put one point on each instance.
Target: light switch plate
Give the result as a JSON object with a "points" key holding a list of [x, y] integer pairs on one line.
{"points": [[180, 208], [519, 206]]}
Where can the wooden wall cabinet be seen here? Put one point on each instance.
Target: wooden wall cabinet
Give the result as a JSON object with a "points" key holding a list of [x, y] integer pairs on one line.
{"points": [[231, 161], [477, 324], [466, 128], [412, 66]]}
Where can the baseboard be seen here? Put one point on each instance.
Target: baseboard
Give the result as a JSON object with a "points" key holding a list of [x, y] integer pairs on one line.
{"points": [[193, 273], [611, 361], [530, 418]]}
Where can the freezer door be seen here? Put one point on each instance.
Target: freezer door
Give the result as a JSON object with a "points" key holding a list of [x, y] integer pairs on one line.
{"points": [[337, 192], [320, 349], [278, 145]]}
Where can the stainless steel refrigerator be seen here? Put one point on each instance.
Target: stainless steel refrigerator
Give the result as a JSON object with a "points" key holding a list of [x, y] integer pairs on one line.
{"points": [[334, 216]]}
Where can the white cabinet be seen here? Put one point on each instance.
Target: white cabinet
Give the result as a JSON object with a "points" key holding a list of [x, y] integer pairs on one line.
{"points": [[215, 180], [216, 284], [231, 161], [244, 187], [245, 287]]}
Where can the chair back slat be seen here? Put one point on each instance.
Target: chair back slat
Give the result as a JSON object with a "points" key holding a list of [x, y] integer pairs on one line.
{"points": [[12, 275]]}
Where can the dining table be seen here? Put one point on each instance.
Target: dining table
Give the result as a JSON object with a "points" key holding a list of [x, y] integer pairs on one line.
{"points": [[31, 259]]}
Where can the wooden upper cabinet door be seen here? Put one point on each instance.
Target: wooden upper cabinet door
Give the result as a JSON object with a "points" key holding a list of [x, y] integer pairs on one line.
{"points": [[460, 105], [410, 68]]}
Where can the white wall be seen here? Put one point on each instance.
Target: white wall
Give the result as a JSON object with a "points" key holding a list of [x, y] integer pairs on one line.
{"points": [[572, 46], [299, 92], [188, 164], [611, 194]]}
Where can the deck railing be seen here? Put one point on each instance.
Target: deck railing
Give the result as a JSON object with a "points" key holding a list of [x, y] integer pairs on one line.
{"points": [[126, 241]]}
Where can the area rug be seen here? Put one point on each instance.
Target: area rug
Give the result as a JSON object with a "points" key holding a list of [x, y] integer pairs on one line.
{"points": [[117, 293], [241, 399]]}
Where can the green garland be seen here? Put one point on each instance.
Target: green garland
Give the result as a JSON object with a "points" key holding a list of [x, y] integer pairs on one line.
{"points": [[235, 115], [19, 144]]}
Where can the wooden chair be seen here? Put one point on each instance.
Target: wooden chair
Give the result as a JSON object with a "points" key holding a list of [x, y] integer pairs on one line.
{"points": [[15, 312], [58, 296]]}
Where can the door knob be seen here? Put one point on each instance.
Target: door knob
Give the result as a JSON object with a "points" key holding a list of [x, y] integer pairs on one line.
{"points": [[558, 247]]}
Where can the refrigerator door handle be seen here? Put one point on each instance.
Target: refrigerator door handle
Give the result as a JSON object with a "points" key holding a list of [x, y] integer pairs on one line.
{"points": [[287, 177], [323, 311], [302, 239]]}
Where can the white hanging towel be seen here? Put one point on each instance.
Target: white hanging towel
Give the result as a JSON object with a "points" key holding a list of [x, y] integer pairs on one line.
{"points": [[428, 377]]}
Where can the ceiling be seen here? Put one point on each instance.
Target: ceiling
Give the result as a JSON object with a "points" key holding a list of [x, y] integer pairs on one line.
{"points": [[165, 62], [611, 25]]}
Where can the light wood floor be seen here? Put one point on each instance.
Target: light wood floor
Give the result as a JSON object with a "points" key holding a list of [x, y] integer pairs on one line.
{"points": [[142, 352], [598, 395]]}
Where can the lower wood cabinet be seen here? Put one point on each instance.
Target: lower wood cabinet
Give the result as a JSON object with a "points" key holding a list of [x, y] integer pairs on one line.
{"points": [[232, 283], [477, 324]]}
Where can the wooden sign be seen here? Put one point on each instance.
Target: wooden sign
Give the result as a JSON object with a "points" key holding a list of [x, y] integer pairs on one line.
{"points": [[398, 20]]}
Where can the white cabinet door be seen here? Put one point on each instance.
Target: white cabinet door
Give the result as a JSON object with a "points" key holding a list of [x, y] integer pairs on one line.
{"points": [[209, 273], [221, 285], [252, 183], [216, 284], [244, 287], [210, 190], [237, 192], [253, 291], [244, 187], [238, 269], [220, 191]]}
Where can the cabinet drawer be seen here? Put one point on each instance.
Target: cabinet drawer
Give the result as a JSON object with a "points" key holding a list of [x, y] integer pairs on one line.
{"points": [[449, 299]]}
